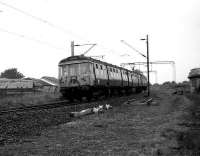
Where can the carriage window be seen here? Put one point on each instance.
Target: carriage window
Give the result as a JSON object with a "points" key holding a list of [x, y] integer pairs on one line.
{"points": [[97, 66], [101, 67], [113, 69]]}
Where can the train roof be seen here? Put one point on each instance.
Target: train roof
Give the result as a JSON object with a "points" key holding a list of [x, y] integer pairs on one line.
{"points": [[82, 57]]}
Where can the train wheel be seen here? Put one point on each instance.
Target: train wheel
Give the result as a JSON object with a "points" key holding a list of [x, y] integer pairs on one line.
{"points": [[138, 90], [128, 91], [89, 96], [77, 96], [112, 92], [63, 95], [71, 99], [119, 91], [107, 92]]}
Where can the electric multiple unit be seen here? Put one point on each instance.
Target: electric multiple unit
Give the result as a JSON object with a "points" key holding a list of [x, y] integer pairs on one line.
{"points": [[81, 76]]}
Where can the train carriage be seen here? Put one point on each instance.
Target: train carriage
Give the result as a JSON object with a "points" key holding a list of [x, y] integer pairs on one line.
{"points": [[81, 76]]}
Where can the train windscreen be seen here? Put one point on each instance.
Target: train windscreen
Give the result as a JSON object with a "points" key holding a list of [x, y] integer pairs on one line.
{"points": [[76, 69]]}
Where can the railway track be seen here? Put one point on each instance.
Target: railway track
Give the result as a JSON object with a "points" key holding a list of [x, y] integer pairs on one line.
{"points": [[50, 105]]}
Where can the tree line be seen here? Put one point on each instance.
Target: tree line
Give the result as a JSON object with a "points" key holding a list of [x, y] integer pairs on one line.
{"points": [[11, 73]]}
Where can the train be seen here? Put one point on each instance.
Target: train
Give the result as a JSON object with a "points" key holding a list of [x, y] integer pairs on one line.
{"points": [[81, 76]]}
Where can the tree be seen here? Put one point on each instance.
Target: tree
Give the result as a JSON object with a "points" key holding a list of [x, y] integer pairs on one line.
{"points": [[11, 73]]}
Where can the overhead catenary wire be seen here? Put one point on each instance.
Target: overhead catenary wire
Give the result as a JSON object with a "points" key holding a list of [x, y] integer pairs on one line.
{"points": [[32, 39], [51, 24], [130, 46]]}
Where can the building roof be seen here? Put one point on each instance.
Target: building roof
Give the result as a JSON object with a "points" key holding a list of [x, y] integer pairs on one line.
{"points": [[42, 82], [50, 80], [194, 73]]}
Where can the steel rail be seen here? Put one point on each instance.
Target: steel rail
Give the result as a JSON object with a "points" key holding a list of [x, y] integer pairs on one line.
{"points": [[50, 105]]}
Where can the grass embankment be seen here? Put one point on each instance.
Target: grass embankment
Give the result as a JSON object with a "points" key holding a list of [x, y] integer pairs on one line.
{"points": [[130, 129], [16, 126], [190, 140]]}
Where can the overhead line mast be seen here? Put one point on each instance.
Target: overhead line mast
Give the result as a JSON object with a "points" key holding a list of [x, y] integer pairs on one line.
{"points": [[146, 56], [77, 45]]}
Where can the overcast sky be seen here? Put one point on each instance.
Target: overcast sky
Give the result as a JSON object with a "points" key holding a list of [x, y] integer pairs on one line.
{"points": [[36, 35]]}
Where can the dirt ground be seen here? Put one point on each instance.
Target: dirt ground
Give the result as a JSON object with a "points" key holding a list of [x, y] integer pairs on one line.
{"points": [[169, 126]]}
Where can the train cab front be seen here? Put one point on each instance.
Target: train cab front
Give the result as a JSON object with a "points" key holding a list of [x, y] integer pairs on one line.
{"points": [[74, 77]]}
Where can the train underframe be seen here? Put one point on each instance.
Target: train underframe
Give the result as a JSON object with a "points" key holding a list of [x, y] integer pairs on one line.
{"points": [[90, 92]]}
